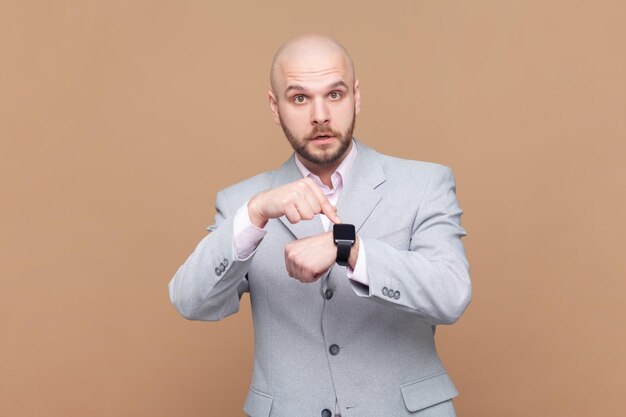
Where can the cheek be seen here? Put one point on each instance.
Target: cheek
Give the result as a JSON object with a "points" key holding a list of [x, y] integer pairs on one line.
{"points": [[344, 115], [295, 120]]}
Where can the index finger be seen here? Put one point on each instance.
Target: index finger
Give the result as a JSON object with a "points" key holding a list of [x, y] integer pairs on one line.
{"points": [[328, 209]]}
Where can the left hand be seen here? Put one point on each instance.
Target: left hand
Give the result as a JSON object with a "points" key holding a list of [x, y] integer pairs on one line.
{"points": [[307, 259]]}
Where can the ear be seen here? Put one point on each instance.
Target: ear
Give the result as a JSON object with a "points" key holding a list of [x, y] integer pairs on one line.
{"points": [[273, 106], [357, 97]]}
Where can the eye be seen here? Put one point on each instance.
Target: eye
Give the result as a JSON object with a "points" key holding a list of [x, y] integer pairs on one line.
{"points": [[299, 99], [334, 95]]}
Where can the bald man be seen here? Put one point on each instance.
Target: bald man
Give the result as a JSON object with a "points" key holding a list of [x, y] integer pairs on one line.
{"points": [[351, 258]]}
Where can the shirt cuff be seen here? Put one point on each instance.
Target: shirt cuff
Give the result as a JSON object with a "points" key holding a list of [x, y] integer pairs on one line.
{"points": [[246, 236], [359, 274]]}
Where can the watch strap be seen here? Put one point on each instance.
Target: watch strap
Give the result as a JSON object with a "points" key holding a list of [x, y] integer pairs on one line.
{"points": [[343, 251]]}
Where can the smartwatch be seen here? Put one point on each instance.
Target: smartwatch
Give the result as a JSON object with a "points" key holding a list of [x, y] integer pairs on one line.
{"points": [[344, 236]]}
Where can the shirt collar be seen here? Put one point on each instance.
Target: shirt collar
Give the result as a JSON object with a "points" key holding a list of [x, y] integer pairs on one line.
{"points": [[339, 176]]}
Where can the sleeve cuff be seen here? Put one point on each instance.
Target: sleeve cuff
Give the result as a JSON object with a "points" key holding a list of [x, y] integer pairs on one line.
{"points": [[359, 274], [246, 236]]}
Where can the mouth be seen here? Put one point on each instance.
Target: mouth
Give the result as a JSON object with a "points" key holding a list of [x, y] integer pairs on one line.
{"points": [[323, 138]]}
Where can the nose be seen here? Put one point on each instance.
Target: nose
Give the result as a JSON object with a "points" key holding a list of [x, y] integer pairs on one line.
{"points": [[319, 113]]}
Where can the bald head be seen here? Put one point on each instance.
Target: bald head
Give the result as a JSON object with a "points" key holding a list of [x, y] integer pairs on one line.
{"points": [[309, 53]]}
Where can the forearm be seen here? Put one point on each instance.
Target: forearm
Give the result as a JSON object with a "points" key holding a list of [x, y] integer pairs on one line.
{"points": [[208, 285], [439, 289]]}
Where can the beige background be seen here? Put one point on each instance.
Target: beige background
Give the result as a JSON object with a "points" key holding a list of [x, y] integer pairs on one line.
{"points": [[120, 120]]}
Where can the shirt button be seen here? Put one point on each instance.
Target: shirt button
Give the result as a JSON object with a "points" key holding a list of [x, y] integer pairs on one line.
{"points": [[326, 413], [328, 294], [334, 350]]}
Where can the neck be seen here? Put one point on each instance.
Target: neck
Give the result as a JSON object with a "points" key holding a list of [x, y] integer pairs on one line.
{"points": [[324, 172]]}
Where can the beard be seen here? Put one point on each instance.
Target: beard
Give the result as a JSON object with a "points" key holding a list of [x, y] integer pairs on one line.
{"points": [[326, 156]]}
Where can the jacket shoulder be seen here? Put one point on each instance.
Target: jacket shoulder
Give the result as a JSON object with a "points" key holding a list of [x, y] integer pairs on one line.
{"points": [[237, 194], [407, 169]]}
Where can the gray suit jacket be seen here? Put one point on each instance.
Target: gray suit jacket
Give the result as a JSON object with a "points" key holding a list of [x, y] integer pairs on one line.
{"points": [[371, 348]]}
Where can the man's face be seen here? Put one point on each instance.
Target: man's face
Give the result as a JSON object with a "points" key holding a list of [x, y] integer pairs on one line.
{"points": [[316, 102]]}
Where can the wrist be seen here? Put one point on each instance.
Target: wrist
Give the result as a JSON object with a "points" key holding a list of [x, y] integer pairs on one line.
{"points": [[345, 237], [354, 254]]}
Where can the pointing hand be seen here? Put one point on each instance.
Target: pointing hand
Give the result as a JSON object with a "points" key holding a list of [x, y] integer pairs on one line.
{"points": [[298, 200]]}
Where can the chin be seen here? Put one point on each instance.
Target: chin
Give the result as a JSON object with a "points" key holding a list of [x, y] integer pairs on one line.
{"points": [[323, 157]]}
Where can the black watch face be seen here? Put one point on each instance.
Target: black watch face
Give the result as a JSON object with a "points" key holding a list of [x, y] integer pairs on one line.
{"points": [[343, 232]]}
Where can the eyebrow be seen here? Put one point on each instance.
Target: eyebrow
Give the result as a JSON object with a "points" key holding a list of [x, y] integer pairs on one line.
{"points": [[300, 88]]}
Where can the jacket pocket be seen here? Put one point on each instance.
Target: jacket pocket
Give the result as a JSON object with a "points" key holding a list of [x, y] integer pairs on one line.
{"points": [[428, 391], [258, 404]]}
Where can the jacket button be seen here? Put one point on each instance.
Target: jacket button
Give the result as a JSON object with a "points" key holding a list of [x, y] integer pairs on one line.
{"points": [[326, 413], [328, 294], [390, 293], [225, 262], [396, 295], [218, 272], [223, 267], [334, 350], [385, 290]]}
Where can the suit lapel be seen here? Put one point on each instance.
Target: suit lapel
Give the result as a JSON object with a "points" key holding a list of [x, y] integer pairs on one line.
{"points": [[357, 200], [361, 194]]}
